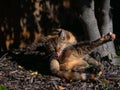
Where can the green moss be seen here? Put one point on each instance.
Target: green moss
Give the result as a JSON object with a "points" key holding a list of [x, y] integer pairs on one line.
{"points": [[2, 87]]}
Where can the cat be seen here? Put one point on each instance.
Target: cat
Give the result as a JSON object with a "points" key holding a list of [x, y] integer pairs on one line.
{"points": [[72, 60], [57, 40]]}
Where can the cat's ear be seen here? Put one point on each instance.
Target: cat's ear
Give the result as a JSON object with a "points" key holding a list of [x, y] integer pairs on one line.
{"points": [[59, 30], [68, 35], [56, 31], [62, 34]]}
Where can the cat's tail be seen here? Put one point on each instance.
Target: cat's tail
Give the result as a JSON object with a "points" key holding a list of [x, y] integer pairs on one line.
{"points": [[71, 75], [74, 76]]}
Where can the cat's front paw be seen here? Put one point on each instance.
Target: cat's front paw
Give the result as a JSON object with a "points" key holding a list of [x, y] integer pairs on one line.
{"points": [[109, 37], [112, 36]]}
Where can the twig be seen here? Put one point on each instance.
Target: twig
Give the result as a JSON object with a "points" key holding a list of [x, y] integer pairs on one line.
{"points": [[4, 55], [113, 78]]}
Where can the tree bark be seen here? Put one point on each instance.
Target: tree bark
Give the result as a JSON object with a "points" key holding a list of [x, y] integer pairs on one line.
{"points": [[105, 25], [97, 25], [89, 22], [87, 17]]}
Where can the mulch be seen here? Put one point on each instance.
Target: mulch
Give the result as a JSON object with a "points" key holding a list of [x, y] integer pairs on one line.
{"points": [[17, 74]]}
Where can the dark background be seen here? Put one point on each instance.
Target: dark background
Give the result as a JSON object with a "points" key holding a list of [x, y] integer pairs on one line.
{"points": [[115, 8], [14, 9]]}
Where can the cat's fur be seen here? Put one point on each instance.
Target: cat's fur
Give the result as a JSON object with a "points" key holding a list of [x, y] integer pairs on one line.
{"points": [[73, 59], [59, 39]]}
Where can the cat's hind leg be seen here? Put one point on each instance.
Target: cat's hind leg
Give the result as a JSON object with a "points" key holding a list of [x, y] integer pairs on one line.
{"points": [[75, 64], [94, 63]]}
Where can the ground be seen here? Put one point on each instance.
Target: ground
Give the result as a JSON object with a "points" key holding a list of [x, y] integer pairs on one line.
{"points": [[13, 76]]}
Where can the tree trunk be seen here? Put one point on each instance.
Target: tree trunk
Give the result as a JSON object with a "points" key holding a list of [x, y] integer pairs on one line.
{"points": [[88, 19], [98, 25], [105, 25], [89, 22]]}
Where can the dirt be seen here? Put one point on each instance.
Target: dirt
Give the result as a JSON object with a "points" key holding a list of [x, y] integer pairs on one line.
{"points": [[17, 74]]}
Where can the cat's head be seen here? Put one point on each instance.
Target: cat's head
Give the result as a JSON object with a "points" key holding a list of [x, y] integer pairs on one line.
{"points": [[60, 39]]}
